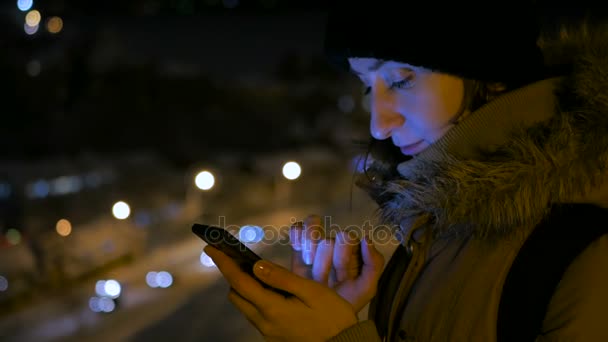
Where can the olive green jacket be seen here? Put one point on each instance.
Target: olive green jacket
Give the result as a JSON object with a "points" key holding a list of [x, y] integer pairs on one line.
{"points": [[478, 192]]}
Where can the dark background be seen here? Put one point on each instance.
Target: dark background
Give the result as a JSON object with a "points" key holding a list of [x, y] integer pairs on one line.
{"points": [[183, 78]]}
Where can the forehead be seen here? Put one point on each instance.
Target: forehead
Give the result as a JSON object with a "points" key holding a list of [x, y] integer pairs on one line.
{"points": [[365, 65]]}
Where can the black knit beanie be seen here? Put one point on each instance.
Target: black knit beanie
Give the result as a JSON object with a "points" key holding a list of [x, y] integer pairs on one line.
{"points": [[491, 42]]}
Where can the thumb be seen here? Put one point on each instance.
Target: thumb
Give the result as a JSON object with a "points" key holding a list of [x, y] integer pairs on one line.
{"points": [[283, 279]]}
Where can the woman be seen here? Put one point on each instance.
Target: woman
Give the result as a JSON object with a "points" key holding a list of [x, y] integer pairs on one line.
{"points": [[476, 144]]}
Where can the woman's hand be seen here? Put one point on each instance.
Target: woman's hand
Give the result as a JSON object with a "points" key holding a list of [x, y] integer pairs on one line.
{"points": [[314, 313], [351, 267]]}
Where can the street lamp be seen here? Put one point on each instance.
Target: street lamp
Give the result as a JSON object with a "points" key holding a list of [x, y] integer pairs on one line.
{"points": [[121, 210], [292, 170], [204, 180]]}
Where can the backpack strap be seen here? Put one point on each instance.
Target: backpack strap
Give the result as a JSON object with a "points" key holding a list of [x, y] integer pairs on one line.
{"points": [[541, 264]]}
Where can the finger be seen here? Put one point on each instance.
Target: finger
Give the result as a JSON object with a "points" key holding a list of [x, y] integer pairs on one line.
{"points": [[373, 262], [323, 259], [248, 310], [295, 236], [332, 278], [297, 264], [248, 287], [306, 290], [360, 291], [299, 267], [347, 257], [313, 234]]}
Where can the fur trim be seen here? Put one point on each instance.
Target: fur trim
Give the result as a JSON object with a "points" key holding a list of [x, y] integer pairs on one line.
{"points": [[512, 188]]}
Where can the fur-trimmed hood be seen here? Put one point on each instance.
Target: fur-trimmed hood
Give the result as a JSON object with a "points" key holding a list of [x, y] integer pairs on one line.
{"points": [[503, 184]]}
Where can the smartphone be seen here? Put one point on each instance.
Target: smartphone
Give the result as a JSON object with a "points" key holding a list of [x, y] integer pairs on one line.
{"points": [[221, 239]]}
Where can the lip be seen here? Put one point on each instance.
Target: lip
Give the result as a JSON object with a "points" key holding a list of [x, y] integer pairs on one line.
{"points": [[412, 148]]}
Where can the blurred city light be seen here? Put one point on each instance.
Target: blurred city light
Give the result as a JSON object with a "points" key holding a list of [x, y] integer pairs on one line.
{"points": [[171, 210], [32, 18], [66, 185], [206, 260], [93, 179], [63, 227], [30, 30], [38, 189], [346, 103], [102, 304], [3, 284], [151, 279], [107, 304], [112, 288], [100, 288], [251, 234], [121, 210], [143, 219], [204, 180], [24, 5], [33, 68], [291, 170], [54, 25], [164, 279], [94, 304], [13, 236], [5, 190]]}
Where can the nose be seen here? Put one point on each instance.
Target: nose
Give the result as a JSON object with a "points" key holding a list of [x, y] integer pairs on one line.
{"points": [[384, 116]]}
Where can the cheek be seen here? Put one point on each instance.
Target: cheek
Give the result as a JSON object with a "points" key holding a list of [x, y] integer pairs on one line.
{"points": [[426, 114]]}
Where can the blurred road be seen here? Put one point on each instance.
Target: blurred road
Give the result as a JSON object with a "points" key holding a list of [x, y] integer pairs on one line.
{"points": [[195, 308]]}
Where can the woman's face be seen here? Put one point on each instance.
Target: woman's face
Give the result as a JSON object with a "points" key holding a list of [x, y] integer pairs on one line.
{"points": [[411, 105]]}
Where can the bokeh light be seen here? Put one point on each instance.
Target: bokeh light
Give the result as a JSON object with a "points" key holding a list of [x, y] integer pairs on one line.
{"points": [[346, 103], [54, 25], [24, 5], [292, 170], [100, 288], [251, 234], [106, 304], [94, 304], [151, 279], [204, 180], [164, 279], [30, 30], [63, 227], [121, 210], [206, 260], [112, 288], [32, 18], [3, 284], [13, 236], [33, 69]]}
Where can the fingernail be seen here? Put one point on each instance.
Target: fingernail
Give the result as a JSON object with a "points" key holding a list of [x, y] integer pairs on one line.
{"points": [[307, 253], [262, 268]]}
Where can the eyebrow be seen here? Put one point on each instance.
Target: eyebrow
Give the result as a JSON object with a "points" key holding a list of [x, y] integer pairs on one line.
{"points": [[373, 67]]}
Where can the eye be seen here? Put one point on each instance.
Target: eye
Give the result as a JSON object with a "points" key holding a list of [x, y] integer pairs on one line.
{"points": [[405, 83]]}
